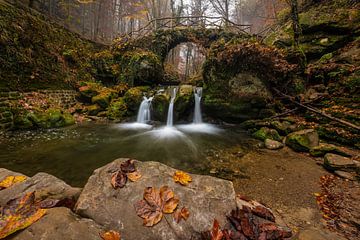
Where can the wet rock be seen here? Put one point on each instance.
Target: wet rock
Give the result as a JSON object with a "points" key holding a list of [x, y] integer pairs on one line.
{"points": [[44, 185], [335, 162], [60, 224], [206, 198], [5, 173], [267, 133], [272, 144], [323, 148], [303, 140]]}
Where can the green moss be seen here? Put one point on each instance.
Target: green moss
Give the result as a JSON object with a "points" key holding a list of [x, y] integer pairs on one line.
{"points": [[326, 57], [117, 109], [134, 96], [160, 106], [103, 99], [267, 133]]}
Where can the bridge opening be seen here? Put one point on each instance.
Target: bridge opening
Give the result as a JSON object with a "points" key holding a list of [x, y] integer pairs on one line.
{"points": [[185, 62]]}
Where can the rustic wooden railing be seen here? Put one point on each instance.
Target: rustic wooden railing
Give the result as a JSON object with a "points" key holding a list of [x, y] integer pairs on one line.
{"points": [[195, 22]]}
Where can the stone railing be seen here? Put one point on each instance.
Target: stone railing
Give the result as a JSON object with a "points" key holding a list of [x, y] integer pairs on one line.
{"points": [[62, 98]]}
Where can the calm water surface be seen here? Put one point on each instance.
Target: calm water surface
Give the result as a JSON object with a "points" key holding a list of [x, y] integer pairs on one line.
{"points": [[73, 153]]}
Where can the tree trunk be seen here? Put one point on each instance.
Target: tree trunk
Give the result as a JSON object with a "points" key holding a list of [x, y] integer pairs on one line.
{"points": [[295, 22]]}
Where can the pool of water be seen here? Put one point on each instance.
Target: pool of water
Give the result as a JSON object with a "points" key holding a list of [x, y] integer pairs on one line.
{"points": [[73, 153]]}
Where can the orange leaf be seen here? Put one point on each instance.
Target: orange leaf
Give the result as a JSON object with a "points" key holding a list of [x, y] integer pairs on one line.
{"points": [[182, 178], [134, 176], [11, 180], [18, 214], [111, 235], [181, 214], [216, 232]]}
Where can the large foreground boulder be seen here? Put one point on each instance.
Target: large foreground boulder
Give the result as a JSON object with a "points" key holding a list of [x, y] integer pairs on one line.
{"points": [[303, 140], [207, 198], [45, 186], [60, 224]]}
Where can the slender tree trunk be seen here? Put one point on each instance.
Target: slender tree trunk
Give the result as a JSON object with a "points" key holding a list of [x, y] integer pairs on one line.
{"points": [[295, 22]]}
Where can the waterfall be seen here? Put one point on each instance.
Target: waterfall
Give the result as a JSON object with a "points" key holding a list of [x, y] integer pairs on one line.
{"points": [[144, 111], [197, 111], [170, 116]]}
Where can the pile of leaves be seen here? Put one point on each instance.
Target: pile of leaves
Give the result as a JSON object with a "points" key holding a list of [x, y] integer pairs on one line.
{"points": [[249, 223], [126, 171], [157, 202], [338, 201]]}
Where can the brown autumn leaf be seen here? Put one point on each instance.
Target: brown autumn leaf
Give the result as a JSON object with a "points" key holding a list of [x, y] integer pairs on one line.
{"points": [[18, 214], [134, 176], [111, 235], [11, 180], [181, 214], [155, 203], [216, 232], [182, 178], [128, 166], [118, 179]]}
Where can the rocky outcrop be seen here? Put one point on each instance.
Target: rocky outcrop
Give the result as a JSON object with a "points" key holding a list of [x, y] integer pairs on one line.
{"points": [[45, 186], [59, 224], [206, 198], [303, 140]]}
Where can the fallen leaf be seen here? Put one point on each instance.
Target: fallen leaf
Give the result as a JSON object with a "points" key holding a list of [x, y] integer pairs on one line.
{"points": [[181, 214], [182, 178], [216, 232], [111, 235], [134, 176], [154, 203], [128, 166], [11, 180], [118, 179], [18, 214]]}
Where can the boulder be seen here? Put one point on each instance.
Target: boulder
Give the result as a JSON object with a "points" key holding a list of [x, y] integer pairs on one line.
{"points": [[134, 96], [324, 148], [104, 98], [44, 185], [59, 224], [267, 133], [117, 109], [92, 110], [303, 140], [89, 90], [5, 173], [335, 162], [207, 198], [283, 127], [272, 144]]}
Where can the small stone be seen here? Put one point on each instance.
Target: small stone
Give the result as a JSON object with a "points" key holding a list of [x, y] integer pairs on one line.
{"points": [[272, 144]]}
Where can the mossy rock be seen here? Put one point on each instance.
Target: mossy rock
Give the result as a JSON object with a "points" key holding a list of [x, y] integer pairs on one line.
{"points": [[183, 106], [117, 109], [284, 127], [22, 122], [92, 110], [88, 90], [51, 118], [103, 99], [324, 148], [303, 140], [267, 133], [140, 67], [134, 96], [160, 105]]}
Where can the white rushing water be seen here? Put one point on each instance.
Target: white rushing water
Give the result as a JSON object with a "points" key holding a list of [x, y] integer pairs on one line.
{"points": [[144, 114], [170, 116], [197, 111]]}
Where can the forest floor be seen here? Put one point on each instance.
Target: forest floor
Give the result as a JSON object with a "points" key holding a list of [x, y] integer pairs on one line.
{"points": [[294, 185]]}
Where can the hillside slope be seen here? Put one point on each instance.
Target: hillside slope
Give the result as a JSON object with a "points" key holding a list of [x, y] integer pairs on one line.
{"points": [[38, 54]]}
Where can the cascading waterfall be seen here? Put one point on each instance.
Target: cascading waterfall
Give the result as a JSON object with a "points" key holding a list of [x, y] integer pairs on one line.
{"points": [[170, 116], [144, 115], [197, 111]]}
